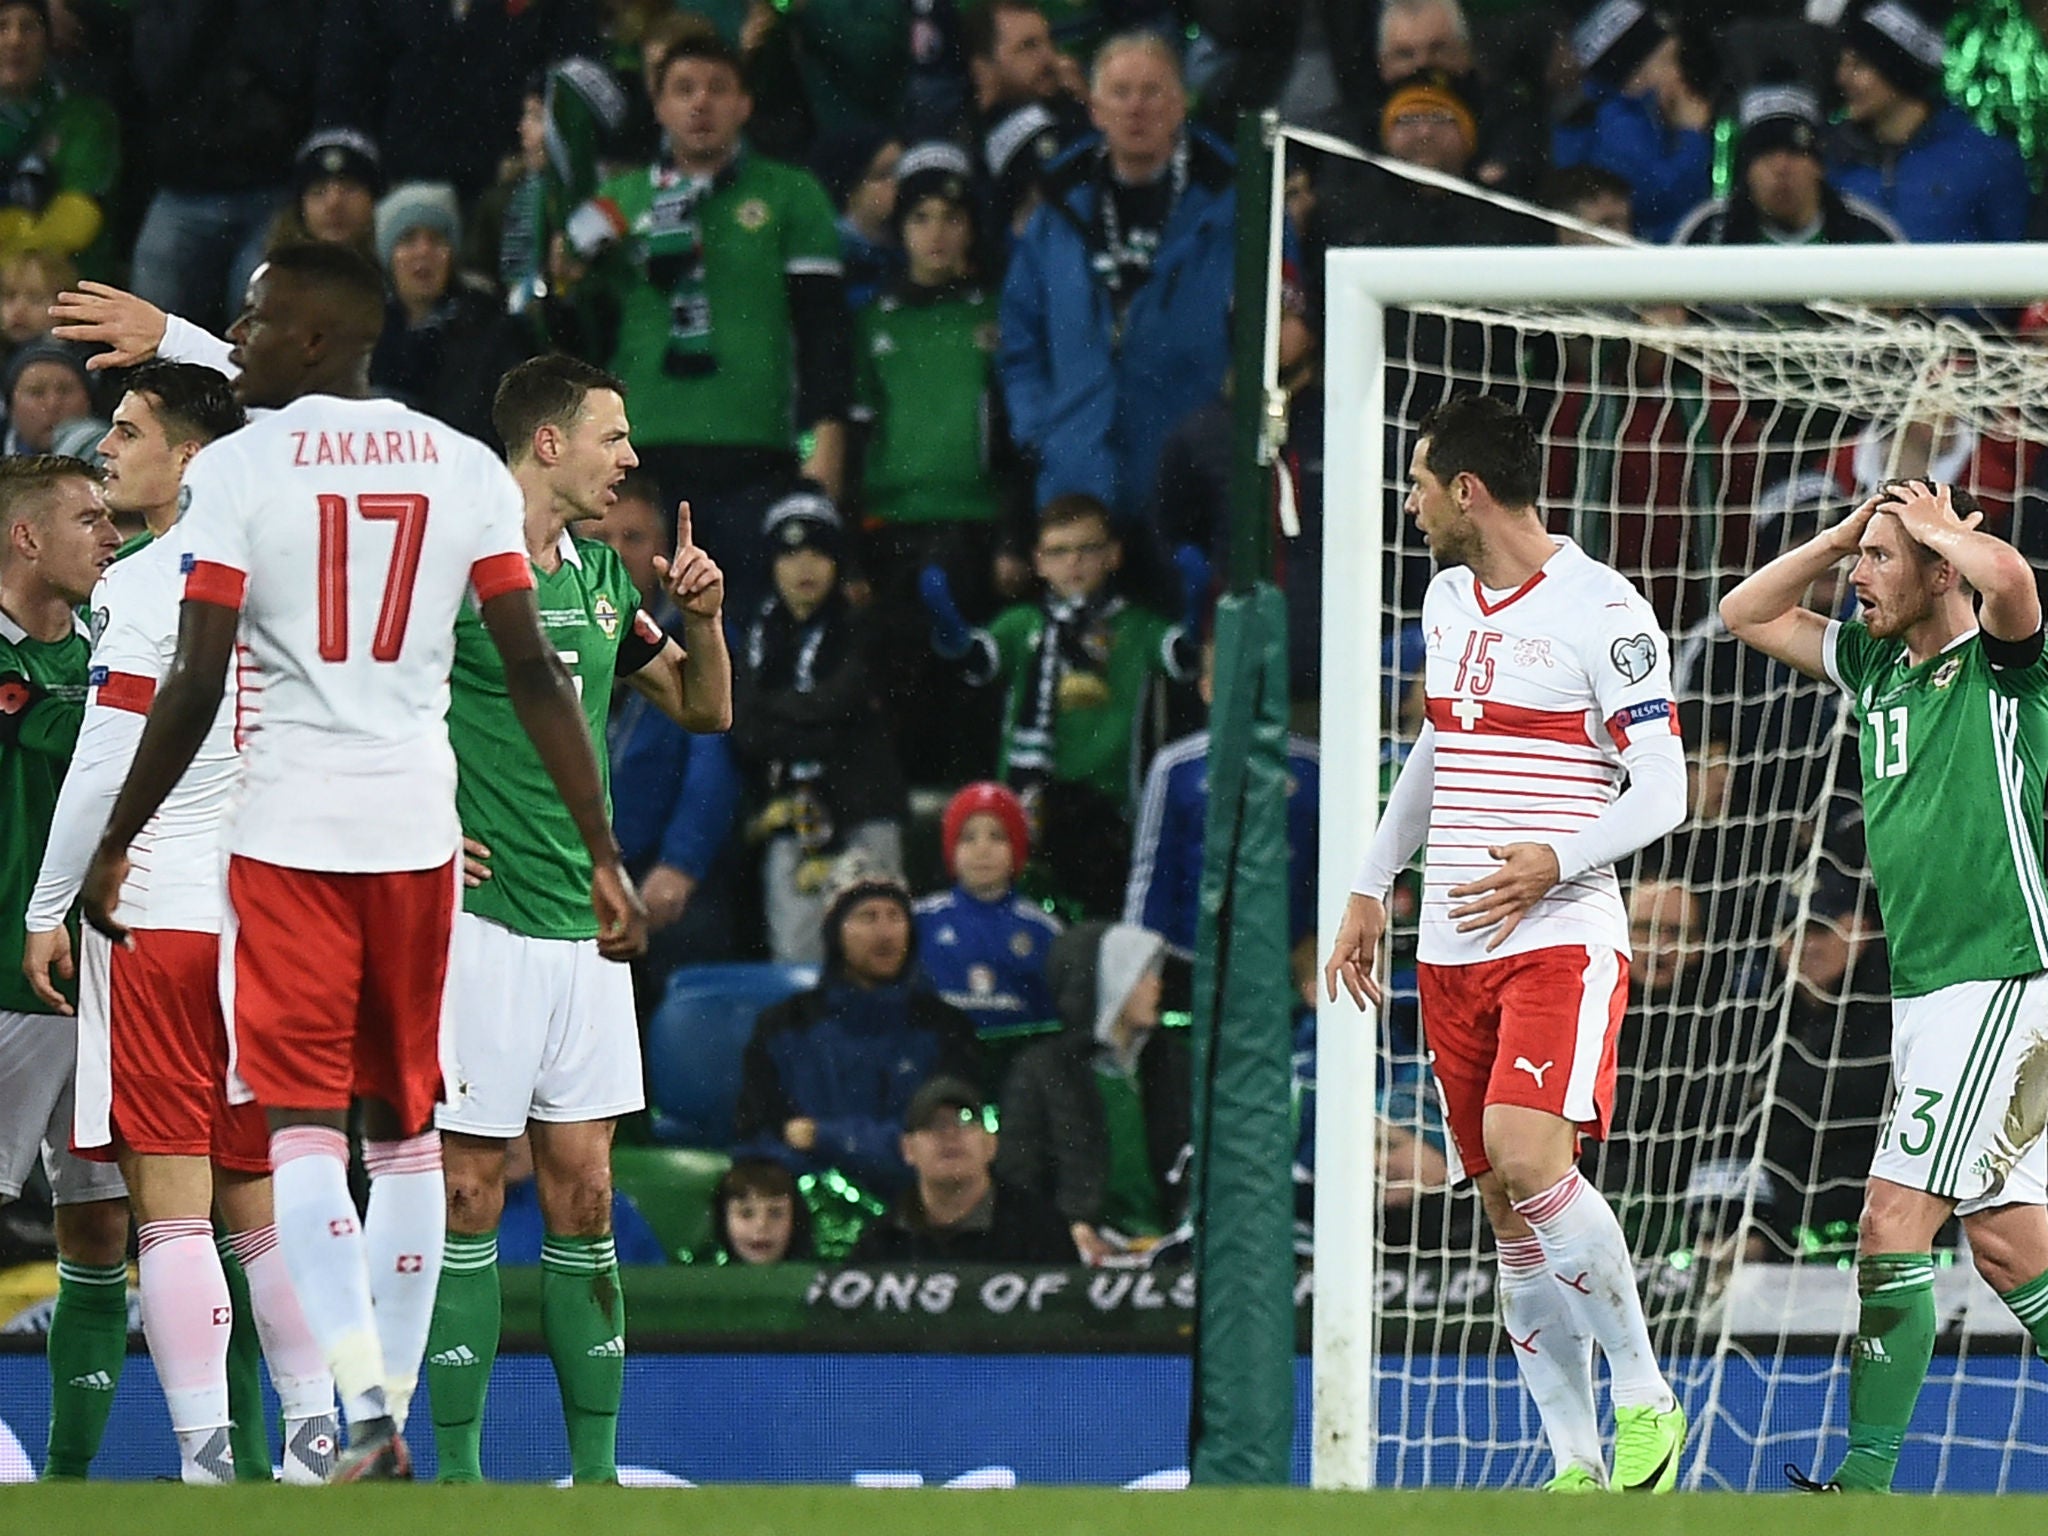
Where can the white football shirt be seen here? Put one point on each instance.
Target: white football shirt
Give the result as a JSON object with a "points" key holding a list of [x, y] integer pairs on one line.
{"points": [[348, 533], [175, 863], [1533, 693]]}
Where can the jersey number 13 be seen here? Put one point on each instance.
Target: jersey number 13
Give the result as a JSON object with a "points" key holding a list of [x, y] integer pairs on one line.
{"points": [[1888, 742]]}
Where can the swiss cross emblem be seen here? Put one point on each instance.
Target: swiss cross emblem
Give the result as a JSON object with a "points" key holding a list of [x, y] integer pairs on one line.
{"points": [[223, 1316], [410, 1263], [1469, 712], [341, 1226]]}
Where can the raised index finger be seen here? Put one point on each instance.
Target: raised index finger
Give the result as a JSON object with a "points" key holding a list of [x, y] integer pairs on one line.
{"points": [[683, 540]]}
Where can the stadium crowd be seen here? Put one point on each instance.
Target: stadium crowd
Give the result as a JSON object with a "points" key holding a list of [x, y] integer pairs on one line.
{"points": [[924, 308]]}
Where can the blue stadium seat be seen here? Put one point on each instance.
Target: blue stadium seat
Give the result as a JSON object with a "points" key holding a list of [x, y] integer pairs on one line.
{"points": [[695, 1041]]}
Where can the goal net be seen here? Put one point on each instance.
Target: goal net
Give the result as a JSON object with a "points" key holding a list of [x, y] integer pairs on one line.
{"points": [[1685, 443]]}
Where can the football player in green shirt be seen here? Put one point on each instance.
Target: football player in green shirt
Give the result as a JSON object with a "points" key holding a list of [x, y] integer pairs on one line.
{"points": [[544, 1036], [55, 541], [1945, 673]]}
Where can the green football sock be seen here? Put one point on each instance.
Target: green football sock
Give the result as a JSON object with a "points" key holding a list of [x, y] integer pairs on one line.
{"points": [[1894, 1342], [462, 1345], [583, 1318], [2029, 1303], [249, 1435], [88, 1345]]}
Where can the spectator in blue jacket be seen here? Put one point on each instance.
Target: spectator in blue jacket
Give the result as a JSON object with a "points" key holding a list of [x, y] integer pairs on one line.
{"points": [[1643, 119], [675, 795], [981, 944], [1940, 176], [1165, 888], [1115, 314], [828, 1076]]}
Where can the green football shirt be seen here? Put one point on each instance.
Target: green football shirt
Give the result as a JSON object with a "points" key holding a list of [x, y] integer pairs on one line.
{"points": [[764, 223], [540, 870], [31, 772], [925, 375], [1955, 765]]}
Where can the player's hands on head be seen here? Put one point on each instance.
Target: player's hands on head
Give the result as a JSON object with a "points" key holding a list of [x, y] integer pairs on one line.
{"points": [[476, 863], [129, 326], [101, 893], [692, 579], [621, 920], [1927, 511], [1503, 898], [43, 954], [1846, 535], [1355, 955]]}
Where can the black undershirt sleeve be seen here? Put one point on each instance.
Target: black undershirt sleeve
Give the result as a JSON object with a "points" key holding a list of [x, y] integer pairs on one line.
{"points": [[642, 643], [2008, 654]]}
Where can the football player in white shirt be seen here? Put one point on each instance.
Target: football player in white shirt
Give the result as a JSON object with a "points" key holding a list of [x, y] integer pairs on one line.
{"points": [[1548, 680], [152, 1078], [339, 534]]}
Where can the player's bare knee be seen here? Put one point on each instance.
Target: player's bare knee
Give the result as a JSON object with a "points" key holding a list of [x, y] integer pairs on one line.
{"points": [[475, 1201], [577, 1204], [1524, 1169], [1898, 1220], [93, 1233]]}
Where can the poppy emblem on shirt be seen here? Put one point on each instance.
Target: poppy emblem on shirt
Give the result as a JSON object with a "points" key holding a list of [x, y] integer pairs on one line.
{"points": [[606, 615]]}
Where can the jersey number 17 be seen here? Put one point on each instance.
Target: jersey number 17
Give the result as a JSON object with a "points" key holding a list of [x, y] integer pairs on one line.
{"points": [[409, 512]]}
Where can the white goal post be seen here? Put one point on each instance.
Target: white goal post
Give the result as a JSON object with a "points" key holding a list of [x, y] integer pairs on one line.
{"points": [[1360, 288]]}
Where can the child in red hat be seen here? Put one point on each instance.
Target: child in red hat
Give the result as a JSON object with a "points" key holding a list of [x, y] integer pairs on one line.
{"points": [[982, 946]]}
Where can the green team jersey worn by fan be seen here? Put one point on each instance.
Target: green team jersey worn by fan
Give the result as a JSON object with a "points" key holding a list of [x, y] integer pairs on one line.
{"points": [[1955, 765], [35, 749], [709, 358], [540, 870], [925, 373]]}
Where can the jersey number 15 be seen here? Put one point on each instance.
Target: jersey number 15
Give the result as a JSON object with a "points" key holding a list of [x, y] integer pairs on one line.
{"points": [[409, 512]]}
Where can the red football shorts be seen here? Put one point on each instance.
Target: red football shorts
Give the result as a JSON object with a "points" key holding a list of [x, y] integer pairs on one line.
{"points": [[168, 1056], [1536, 1029], [334, 985]]}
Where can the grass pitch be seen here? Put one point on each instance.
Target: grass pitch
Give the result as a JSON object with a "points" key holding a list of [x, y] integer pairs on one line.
{"points": [[109, 1509]]}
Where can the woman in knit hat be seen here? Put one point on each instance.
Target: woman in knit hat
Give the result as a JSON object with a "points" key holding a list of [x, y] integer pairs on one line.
{"points": [[1644, 119], [447, 340], [1907, 150]]}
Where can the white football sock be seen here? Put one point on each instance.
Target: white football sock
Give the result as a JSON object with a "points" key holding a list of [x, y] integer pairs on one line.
{"points": [[1555, 1354], [1587, 1255], [407, 1227], [298, 1367], [329, 1261], [186, 1315]]}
